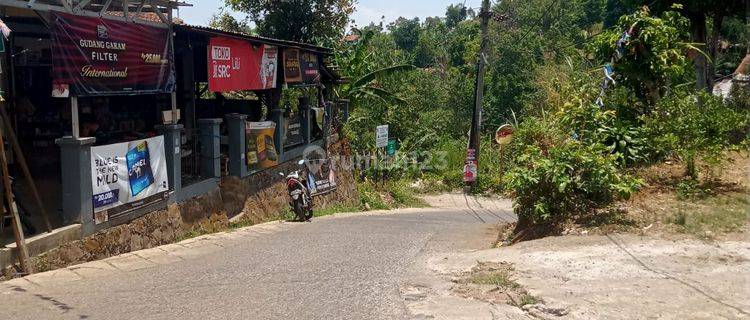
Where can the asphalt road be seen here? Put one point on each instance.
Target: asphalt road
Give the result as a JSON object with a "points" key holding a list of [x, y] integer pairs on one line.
{"points": [[344, 267]]}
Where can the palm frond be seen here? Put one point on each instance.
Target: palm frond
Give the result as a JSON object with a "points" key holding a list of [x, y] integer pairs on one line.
{"points": [[364, 80], [385, 95]]}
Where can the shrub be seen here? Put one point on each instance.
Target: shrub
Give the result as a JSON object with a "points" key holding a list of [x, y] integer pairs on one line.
{"points": [[564, 180], [694, 126], [369, 196]]}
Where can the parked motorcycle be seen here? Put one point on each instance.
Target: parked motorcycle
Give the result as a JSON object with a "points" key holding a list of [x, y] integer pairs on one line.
{"points": [[299, 194]]}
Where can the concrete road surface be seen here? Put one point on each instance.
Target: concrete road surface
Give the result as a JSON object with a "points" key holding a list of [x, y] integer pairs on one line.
{"points": [[345, 267]]}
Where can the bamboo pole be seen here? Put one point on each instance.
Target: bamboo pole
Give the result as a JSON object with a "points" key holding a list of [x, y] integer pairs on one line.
{"points": [[23, 253]]}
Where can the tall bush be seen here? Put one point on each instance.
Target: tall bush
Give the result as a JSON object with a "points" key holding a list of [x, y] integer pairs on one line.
{"points": [[553, 183]]}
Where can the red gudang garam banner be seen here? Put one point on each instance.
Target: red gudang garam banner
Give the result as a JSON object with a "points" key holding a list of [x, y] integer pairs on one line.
{"points": [[235, 65], [94, 56]]}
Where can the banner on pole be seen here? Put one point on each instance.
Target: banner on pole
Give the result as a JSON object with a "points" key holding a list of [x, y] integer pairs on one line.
{"points": [[470, 166], [93, 56], [235, 65], [130, 173]]}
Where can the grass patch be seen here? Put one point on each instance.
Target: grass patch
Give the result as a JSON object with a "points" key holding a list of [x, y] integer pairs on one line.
{"points": [[392, 194], [192, 233], [370, 196], [338, 208], [711, 216], [404, 196], [498, 278], [528, 299]]}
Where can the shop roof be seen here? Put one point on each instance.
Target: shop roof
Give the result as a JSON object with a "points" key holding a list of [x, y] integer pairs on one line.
{"points": [[253, 38], [152, 12]]}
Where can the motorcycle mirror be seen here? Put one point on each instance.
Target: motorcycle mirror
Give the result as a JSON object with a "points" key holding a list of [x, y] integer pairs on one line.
{"points": [[301, 162], [282, 174]]}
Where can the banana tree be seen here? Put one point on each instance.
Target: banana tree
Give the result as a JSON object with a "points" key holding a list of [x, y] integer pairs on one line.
{"points": [[355, 63]]}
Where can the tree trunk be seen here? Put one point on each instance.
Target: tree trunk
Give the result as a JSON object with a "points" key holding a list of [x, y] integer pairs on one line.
{"points": [[698, 33], [713, 46]]}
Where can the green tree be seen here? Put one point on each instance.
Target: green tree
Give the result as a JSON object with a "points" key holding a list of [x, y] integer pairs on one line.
{"points": [[310, 21], [356, 63], [227, 22], [405, 33], [701, 13], [614, 9], [531, 34], [654, 59], [593, 12], [454, 14]]}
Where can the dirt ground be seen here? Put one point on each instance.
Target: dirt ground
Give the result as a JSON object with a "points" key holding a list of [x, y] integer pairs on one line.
{"points": [[651, 269], [598, 277], [716, 208]]}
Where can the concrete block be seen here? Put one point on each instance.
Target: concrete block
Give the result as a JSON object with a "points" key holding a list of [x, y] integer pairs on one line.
{"points": [[41, 243]]}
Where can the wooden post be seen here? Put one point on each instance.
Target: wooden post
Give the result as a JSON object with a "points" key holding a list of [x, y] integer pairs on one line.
{"points": [[2, 215], [24, 167], [23, 253], [476, 120]]}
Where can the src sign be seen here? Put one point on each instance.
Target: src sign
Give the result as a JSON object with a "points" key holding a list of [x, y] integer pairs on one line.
{"points": [[235, 65]]}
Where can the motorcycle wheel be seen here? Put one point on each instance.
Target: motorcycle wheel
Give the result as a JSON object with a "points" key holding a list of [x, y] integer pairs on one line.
{"points": [[299, 211]]}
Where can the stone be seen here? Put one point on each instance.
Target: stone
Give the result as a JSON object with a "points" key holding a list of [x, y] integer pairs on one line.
{"points": [[136, 242], [71, 253], [91, 244]]}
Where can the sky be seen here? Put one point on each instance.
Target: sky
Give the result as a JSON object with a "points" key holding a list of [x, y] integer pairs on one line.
{"points": [[367, 10]]}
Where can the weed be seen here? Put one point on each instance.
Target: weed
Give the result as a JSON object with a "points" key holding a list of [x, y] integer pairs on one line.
{"points": [[692, 189], [500, 278], [680, 219], [528, 299]]}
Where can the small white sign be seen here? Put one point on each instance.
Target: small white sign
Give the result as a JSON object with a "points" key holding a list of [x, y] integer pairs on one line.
{"points": [[381, 136]]}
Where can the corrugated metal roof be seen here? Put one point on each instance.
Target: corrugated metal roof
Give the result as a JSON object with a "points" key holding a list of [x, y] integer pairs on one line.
{"points": [[266, 40]]}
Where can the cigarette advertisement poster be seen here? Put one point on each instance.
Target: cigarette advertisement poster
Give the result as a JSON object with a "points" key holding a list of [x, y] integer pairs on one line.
{"points": [[292, 66], [128, 175], [301, 67], [260, 148], [236, 65], [92, 56], [293, 133], [310, 65], [321, 178]]}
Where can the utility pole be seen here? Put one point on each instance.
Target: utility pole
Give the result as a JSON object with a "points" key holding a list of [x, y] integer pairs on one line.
{"points": [[472, 155]]}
